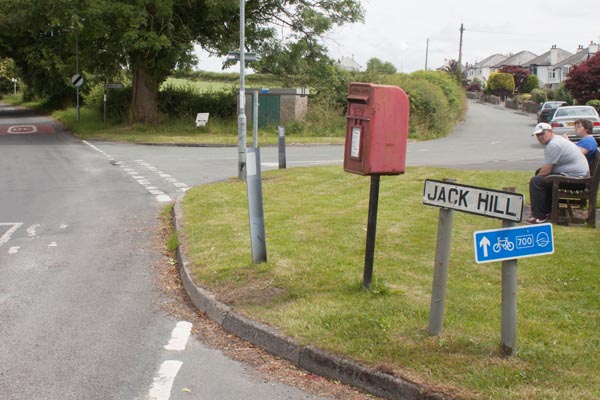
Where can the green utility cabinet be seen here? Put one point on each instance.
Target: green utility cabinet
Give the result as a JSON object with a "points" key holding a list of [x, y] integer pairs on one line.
{"points": [[277, 106]]}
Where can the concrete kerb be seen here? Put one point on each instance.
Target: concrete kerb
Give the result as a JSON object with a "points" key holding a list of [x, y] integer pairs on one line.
{"points": [[306, 357]]}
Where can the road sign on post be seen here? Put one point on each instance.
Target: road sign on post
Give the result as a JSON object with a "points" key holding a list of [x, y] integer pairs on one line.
{"points": [[511, 243], [474, 200], [77, 80]]}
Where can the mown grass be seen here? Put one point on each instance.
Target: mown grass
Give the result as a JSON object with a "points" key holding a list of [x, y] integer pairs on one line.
{"points": [[311, 285]]}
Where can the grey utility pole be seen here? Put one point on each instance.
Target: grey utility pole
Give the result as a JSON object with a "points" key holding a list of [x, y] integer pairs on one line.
{"points": [[459, 68]]}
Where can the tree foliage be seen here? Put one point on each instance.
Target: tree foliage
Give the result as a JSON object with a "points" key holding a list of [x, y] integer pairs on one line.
{"points": [[150, 38], [583, 80], [500, 84], [532, 82], [519, 74], [376, 66]]}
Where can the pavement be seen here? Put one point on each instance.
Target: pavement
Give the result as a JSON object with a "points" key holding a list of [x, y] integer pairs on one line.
{"points": [[309, 358]]}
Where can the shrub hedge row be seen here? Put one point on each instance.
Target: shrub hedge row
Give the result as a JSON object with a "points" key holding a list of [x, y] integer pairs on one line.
{"points": [[437, 103]]}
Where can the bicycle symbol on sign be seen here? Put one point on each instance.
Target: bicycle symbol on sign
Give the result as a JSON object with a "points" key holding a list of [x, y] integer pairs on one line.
{"points": [[503, 244]]}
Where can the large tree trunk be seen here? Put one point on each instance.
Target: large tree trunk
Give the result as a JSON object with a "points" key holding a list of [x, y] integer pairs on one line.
{"points": [[145, 97]]}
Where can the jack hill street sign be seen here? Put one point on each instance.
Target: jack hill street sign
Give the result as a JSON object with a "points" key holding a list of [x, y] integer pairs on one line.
{"points": [[474, 200]]}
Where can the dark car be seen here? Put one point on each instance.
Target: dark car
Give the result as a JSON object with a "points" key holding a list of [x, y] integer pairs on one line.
{"points": [[546, 110]]}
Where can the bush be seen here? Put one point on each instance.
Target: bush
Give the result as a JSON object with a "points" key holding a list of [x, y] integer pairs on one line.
{"points": [[560, 94], [595, 104], [454, 92], [539, 96], [500, 84], [530, 84], [429, 108], [118, 102], [186, 101]]}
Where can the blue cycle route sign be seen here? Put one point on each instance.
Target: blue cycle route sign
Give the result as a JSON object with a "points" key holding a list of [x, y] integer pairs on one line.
{"points": [[510, 243]]}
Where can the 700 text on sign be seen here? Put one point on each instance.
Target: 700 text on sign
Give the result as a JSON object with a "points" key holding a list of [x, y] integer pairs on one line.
{"points": [[474, 200]]}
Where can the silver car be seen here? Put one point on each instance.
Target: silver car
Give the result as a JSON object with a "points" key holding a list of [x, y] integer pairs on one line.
{"points": [[564, 118]]}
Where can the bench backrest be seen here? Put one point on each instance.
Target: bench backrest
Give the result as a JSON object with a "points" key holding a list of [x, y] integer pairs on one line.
{"points": [[595, 170]]}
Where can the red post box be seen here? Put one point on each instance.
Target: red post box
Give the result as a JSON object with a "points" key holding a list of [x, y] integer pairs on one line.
{"points": [[376, 129]]}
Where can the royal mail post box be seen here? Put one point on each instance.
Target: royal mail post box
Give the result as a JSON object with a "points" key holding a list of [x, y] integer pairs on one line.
{"points": [[376, 129]]}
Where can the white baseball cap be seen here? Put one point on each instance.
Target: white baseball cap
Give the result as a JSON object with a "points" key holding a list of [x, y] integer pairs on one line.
{"points": [[542, 126]]}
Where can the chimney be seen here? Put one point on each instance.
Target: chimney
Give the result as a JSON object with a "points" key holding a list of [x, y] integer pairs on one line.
{"points": [[553, 55]]}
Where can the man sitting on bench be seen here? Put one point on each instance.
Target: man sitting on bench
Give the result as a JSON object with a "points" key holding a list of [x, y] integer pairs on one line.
{"points": [[561, 157]]}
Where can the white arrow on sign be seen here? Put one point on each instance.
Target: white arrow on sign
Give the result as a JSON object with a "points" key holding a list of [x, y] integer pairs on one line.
{"points": [[485, 243]]}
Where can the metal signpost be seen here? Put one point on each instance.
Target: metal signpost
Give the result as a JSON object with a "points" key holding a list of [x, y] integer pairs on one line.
{"points": [[508, 244]]}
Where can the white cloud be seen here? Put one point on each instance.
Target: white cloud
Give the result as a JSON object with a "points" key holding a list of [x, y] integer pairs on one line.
{"points": [[397, 31]]}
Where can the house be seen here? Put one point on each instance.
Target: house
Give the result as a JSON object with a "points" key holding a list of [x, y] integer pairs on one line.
{"points": [[561, 70], [484, 68], [515, 60], [349, 64], [544, 66]]}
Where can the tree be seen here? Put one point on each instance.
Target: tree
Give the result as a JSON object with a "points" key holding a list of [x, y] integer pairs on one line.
{"points": [[519, 74], [149, 37], [376, 66], [583, 80], [500, 84], [532, 82]]}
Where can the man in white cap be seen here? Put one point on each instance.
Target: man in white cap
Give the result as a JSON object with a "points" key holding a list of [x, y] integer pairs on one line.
{"points": [[561, 157]]}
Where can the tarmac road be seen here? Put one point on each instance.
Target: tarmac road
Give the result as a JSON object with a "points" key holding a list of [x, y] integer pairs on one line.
{"points": [[80, 316]]}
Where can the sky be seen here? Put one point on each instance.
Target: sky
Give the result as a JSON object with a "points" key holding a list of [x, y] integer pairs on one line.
{"points": [[398, 31]]}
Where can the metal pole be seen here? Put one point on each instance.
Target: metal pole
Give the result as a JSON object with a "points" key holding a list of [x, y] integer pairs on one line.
{"points": [[77, 65], [242, 110], [255, 119], [440, 270], [255, 206], [281, 140], [509, 299], [371, 232], [105, 99]]}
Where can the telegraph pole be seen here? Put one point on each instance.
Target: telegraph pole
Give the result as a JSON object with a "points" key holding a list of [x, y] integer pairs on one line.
{"points": [[459, 68], [426, 53]]}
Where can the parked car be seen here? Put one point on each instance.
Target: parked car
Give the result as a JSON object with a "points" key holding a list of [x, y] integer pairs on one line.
{"points": [[546, 110], [564, 121]]}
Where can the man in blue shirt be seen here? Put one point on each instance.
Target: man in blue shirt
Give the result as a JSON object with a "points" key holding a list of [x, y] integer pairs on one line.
{"points": [[587, 144]]}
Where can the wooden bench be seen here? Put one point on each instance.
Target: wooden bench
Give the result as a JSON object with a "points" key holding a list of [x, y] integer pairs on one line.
{"points": [[571, 192]]}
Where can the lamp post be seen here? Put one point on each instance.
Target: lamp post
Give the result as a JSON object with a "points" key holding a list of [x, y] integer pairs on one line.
{"points": [[77, 65]]}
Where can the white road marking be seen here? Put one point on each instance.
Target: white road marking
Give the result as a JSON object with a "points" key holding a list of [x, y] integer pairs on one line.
{"points": [[163, 381], [163, 198], [179, 336], [53, 244], [14, 250], [6, 236], [63, 226], [31, 230]]}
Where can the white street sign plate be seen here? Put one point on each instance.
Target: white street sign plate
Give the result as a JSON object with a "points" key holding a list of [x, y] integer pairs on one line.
{"points": [[474, 200]]}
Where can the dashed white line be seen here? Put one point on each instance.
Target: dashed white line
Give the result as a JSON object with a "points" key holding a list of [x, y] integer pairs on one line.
{"points": [[179, 336], [14, 250], [163, 381]]}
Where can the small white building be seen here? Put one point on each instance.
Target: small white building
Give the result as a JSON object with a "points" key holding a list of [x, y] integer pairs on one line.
{"points": [[349, 64], [484, 68]]}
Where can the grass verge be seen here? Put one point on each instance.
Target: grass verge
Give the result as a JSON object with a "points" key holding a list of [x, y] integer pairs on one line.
{"points": [[311, 286]]}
